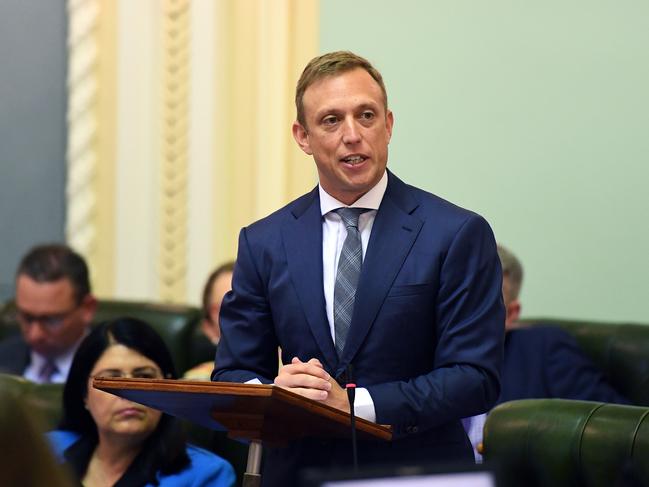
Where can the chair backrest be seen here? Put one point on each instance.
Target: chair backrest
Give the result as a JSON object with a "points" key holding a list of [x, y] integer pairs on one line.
{"points": [[44, 401], [555, 442], [8, 324], [174, 323], [621, 351]]}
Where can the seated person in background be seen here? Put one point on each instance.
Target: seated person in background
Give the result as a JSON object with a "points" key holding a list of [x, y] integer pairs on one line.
{"points": [[54, 308], [540, 362], [217, 285], [107, 440]]}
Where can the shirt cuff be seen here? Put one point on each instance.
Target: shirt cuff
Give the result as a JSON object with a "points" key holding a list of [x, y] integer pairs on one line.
{"points": [[364, 406]]}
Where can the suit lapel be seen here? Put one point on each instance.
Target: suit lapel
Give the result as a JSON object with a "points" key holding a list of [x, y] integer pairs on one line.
{"points": [[302, 237], [394, 231]]}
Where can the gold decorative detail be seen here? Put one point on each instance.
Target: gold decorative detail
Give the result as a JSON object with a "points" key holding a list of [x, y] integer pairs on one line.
{"points": [[82, 119], [174, 151]]}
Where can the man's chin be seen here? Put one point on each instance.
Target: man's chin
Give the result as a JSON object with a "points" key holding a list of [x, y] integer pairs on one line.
{"points": [[46, 352]]}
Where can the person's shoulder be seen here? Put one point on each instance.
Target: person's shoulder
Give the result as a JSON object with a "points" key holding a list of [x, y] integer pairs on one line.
{"points": [[539, 334], [61, 440], [542, 330], [200, 456], [14, 354], [426, 204], [202, 371], [13, 341], [204, 469], [205, 459]]}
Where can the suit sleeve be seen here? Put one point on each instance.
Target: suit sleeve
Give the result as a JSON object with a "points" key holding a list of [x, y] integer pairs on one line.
{"points": [[248, 346], [572, 375], [469, 327]]}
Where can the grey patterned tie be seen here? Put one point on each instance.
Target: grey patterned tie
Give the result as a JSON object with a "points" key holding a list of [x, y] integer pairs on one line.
{"points": [[349, 270]]}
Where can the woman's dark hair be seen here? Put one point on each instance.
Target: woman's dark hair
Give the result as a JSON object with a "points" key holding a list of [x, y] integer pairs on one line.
{"points": [[165, 448]]}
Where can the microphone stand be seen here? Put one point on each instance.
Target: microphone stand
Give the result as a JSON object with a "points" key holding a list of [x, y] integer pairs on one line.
{"points": [[350, 387]]}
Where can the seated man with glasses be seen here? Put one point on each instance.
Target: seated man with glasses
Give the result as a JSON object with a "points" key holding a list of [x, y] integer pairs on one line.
{"points": [[54, 308]]}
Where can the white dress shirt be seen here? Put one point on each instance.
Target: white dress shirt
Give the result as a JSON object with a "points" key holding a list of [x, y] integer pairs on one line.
{"points": [[62, 362], [37, 362], [334, 233]]}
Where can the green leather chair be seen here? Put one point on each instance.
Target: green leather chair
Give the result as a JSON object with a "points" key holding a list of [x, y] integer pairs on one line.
{"points": [[621, 351], [8, 325], [43, 401], [174, 323], [555, 442]]}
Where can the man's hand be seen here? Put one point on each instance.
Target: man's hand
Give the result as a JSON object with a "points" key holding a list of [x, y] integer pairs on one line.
{"points": [[309, 379]]}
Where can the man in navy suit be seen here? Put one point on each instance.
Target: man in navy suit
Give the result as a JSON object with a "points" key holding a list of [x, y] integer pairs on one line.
{"points": [[426, 336], [54, 308]]}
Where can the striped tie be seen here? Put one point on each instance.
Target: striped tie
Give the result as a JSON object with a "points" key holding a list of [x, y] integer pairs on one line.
{"points": [[47, 371], [349, 270]]}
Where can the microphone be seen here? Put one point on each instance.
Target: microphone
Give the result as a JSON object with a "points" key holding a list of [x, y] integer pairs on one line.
{"points": [[350, 387]]}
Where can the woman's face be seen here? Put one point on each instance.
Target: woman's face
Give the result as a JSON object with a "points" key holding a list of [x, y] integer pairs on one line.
{"points": [[118, 418]]}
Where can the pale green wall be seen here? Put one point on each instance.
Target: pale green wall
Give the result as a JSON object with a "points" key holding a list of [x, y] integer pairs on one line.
{"points": [[534, 114]]}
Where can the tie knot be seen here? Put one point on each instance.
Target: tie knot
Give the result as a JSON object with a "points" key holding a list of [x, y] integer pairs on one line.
{"points": [[350, 215], [48, 369]]}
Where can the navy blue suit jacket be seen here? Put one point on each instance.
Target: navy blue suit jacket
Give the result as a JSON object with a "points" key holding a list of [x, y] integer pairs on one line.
{"points": [[426, 337], [14, 355], [546, 362]]}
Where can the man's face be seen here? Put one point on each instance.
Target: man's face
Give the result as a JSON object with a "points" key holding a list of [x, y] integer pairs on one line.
{"points": [[347, 132], [222, 284], [50, 317], [512, 306], [114, 416]]}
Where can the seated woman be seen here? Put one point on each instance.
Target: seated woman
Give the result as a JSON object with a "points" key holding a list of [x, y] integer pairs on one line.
{"points": [[107, 440]]}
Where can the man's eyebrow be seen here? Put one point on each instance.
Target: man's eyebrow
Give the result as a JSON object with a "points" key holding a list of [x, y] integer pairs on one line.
{"points": [[333, 110]]}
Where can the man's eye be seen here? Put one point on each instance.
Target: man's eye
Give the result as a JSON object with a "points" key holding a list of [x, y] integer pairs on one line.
{"points": [[331, 120], [367, 115], [144, 375]]}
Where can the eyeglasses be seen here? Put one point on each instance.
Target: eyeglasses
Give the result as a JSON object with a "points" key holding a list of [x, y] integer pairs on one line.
{"points": [[137, 373], [50, 322]]}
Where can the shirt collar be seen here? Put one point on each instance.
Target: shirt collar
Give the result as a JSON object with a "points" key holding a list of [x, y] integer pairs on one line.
{"points": [[371, 200], [62, 362]]}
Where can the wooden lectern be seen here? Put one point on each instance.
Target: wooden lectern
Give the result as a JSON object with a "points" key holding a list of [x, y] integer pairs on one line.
{"points": [[259, 413]]}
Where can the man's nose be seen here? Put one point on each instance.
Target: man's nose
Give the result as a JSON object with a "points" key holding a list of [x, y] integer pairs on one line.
{"points": [[351, 132], [34, 332]]}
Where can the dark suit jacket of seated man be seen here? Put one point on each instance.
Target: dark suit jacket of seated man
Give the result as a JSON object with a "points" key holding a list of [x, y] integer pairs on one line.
{"points": [[426, 336], [547, 361], [540, 362], [544, 362]]}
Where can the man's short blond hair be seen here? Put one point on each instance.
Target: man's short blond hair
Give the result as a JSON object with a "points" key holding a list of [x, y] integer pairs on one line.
{"points": [[331, 64]]}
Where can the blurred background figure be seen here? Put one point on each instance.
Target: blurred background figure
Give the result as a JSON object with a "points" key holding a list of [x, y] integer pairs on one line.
{"points": [[107, 440], [544, 361], [54, 307], [26, 460], [218, 284], [540, 361]]}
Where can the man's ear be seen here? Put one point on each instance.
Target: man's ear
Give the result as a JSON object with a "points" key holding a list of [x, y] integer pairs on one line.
{"points": [[89, 306], [389, 123], [301, 136], [513, 313]]}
